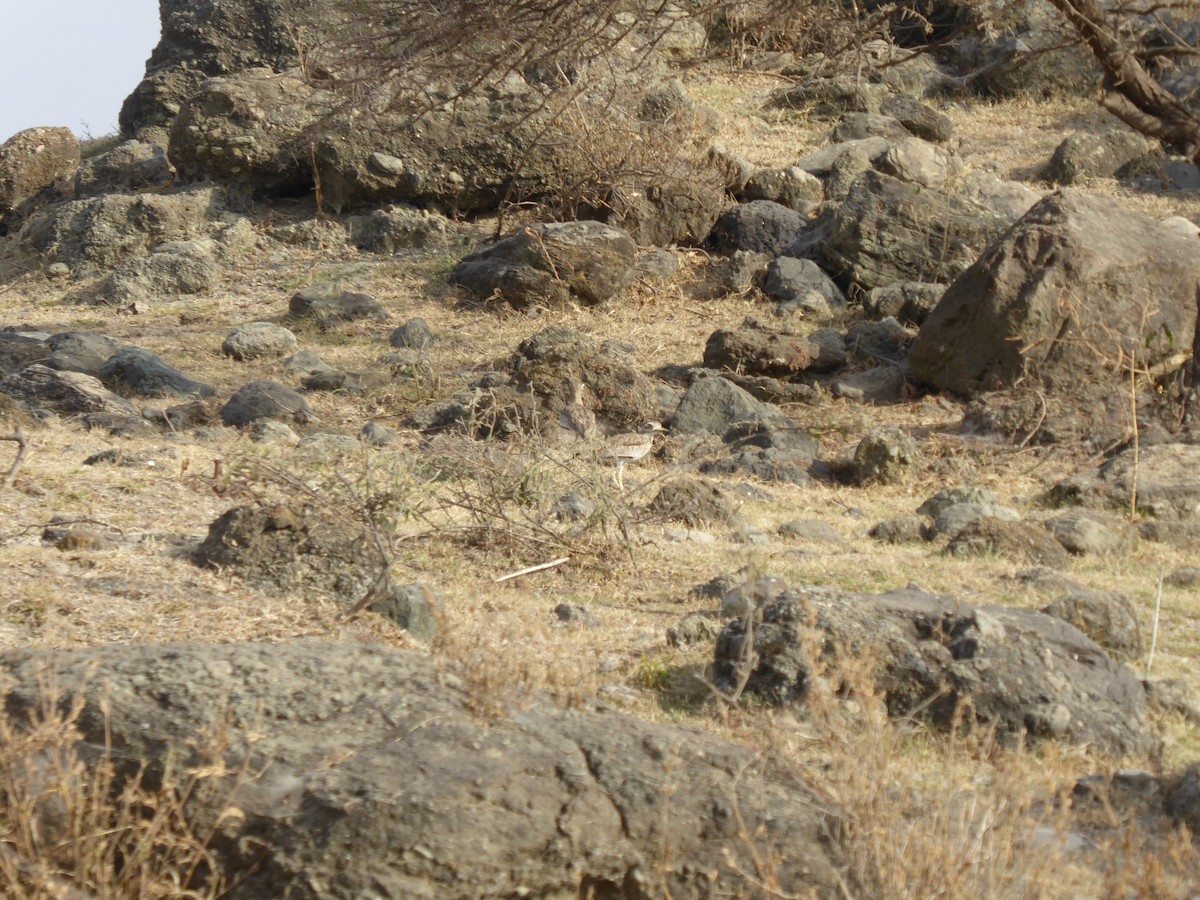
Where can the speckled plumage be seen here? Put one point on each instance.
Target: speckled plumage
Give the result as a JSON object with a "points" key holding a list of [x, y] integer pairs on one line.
{"points": [[631, 446]]}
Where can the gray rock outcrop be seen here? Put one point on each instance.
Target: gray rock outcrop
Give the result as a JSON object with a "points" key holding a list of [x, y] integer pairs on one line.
{"points": [[372, 774]]}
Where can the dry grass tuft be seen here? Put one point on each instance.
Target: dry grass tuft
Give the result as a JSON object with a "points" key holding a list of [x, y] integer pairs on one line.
{"points": [[75, 824]]}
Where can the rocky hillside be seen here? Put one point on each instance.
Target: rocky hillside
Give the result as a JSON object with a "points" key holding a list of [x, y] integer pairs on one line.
{"points": [[343, 557]]}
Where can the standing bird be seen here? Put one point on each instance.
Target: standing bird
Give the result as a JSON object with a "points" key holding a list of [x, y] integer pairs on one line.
{"points": [[576, 416], [631, 446]]}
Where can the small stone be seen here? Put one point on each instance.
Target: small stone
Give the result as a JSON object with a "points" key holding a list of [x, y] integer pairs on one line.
{"points": [[1185, 577], [693, 629], [375, 435], [414, 334], [899, 530], [1107, 617], [270, 431], [883, 456], [259, 340], [574, 507], [812, 530], [58, 270], [413, 607], [574, 614]]}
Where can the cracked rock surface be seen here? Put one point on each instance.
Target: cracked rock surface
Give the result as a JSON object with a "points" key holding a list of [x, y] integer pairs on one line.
{"points": [[372, 776]]}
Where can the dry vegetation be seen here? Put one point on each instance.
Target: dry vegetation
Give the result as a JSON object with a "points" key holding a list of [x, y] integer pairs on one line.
{"points": [[927, 815]]}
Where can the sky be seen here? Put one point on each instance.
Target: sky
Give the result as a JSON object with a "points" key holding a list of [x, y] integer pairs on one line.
{"points": [[71, 63]]}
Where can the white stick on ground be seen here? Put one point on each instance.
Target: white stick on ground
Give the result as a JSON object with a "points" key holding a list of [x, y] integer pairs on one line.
{"points": [[532, 569], [1154, 629]]}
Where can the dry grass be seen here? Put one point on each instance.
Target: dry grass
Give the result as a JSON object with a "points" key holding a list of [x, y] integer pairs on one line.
{"points": [[927, 815], [74, 824]]}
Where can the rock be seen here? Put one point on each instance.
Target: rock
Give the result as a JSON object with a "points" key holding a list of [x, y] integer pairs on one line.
{"points": [[574, 614], [269, 431], [875, 342], [18, 351], [812, 530], [791, 187], [821, 162], [887, 231], [1085, 531], [751, 596], [692, 501], [306, 363], [1016, 541], [282, 550], [248, 131], [789, 280], [1089, 155], [1006, 321], [553, 265], [84, 343], [760, 226], [1127, 791], [855, 126], [933, 506], [1183, 800], [1183, 577], [411, 606], [694, 629], [1107, 617], [883, 456], [714, 406], [128, 167], [919, 118], [1046, 580], [102, 232], [174, 268], [914, 161], [756, 350], [656, 264], [1023, 673], [1166, 482], [882, 384], [908, 301], [330, 304], [265, 400], [36, 166], [832, 96], [544, 365], [259, 340], [414, 334], [899, 530], [952, 519], [1174, 695], [844, 174], [375, 435], [396, 228], [574, 507], [143, 374], [66, 393], [547, 802]]}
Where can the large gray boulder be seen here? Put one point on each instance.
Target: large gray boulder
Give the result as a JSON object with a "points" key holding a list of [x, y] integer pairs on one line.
{"points": [[249, 130], [102, 232], [130, 166], [36, 165], [552, 265], [1021, 672], [203, 38], [1075, 292], [1163, 480], [889, 230], [372, 773]]}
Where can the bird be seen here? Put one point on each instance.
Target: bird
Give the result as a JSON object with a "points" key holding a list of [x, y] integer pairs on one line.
{"points": [[631, 446], [576, 416]]}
